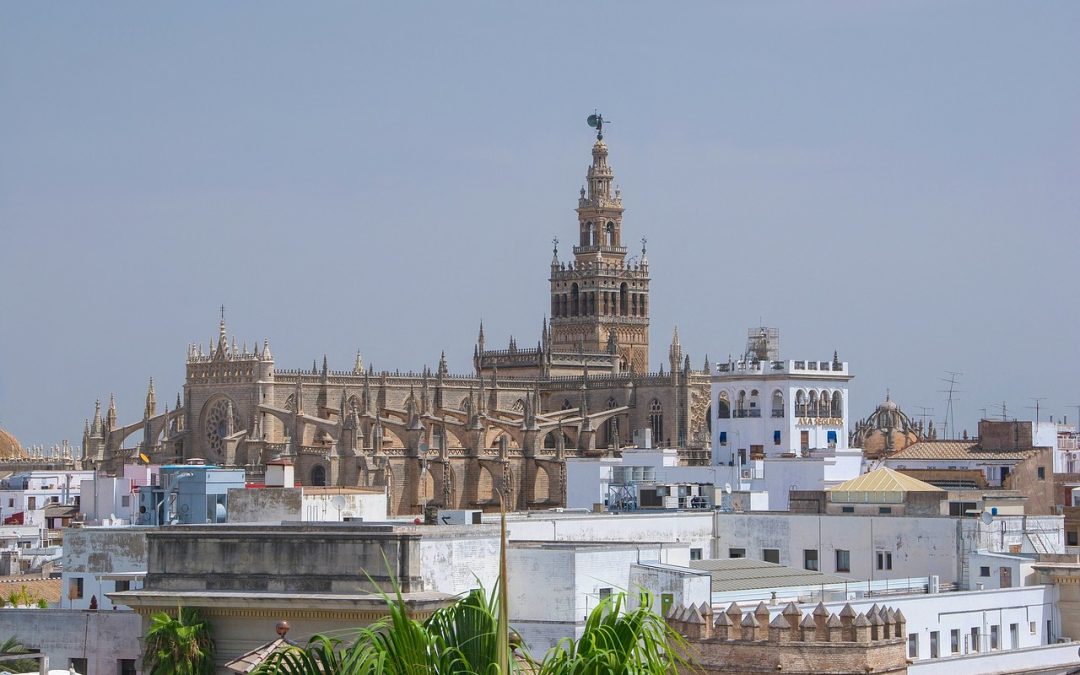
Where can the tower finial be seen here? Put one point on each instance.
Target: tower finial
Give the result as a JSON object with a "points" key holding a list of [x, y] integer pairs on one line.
{"points": [[596, 121]]}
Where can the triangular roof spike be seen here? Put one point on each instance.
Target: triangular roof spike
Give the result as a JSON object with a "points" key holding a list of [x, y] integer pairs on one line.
{"points": [[705, 608], [761, 608], [807, 621], [847, 611], [733, 609], [834, 622], [875, 619], [861, 621], [673, 611], [779, 622], [899, 617], [820, 610], [722, 620], [790, 609], [694, 615], [749, 620]]}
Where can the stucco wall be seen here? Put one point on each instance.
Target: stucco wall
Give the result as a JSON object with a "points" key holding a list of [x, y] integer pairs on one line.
{"points": [[92, 551], [102, 638]]}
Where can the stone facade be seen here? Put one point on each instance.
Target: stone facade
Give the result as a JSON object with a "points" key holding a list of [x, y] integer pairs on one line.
{"points": [[435, 438], [817, 642]]}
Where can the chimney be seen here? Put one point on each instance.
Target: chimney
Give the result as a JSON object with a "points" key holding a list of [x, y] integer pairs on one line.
{"points": [[279, 474]]}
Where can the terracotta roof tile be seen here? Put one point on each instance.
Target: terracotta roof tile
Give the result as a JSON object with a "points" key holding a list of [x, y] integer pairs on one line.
{"points": [[956, 450]]}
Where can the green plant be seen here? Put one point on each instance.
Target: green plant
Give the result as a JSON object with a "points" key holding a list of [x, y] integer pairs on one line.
{"points": [[42, 603], [472, 637], [179, 645], [13, 646]]}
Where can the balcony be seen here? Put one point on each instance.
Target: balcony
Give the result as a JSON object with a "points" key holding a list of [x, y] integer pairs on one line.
{"points": [[752, 412], [778, 412]]}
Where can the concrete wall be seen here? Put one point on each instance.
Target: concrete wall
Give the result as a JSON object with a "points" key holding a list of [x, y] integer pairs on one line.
{"points": [[455, 565], [690, 527], [920, 547], [553, 587], [686, 586], [93, 551], [265, 505], [102, 638], [1047, 660]]}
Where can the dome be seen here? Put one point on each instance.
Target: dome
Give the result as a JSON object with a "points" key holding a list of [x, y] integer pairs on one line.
{"points": [[10, 447], [885, 431]]}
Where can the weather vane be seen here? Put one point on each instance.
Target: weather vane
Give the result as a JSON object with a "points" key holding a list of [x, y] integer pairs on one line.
{"points": [[596, 121]]}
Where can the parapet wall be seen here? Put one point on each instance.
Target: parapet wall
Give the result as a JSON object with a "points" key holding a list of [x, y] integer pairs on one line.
{"points": [[793, 642]]}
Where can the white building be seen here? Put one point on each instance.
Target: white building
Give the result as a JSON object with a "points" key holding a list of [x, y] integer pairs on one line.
{"points": [[114, 499], [642, 478], [554, 586], [23, 496], [766, 407], [101, 560], [881, 549]]}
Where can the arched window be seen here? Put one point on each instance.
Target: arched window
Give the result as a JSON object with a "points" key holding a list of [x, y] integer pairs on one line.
{"points": [[723, 407], [318, 475], [575, 300], [610, 233], [740, 404], [811, 406], [823, 404], [800, 403], [777, 403], [656, 421], [837, 404], [623, 300], [587, 234]]}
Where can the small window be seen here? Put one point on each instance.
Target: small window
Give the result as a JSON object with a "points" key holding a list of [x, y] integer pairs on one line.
{"points": [[974, 639], [1031, 627], [954, 641], [695, 554], [995, 637], [884, 560], [776, 438], [771, 555], [125, 501], [831, 436], [11, 502], [123, 585], [847, 509], [126, 666], [604, 593], [79, 665], [913, 645], [984, 571], [736, 553], [723, 438], [843, 560], [810, 559], [884, 510], [1070, 538], [934, 653], [75, 588], [1014, 636], [1042, 473]]}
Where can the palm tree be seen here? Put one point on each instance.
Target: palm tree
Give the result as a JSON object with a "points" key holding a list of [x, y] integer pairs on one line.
{"points": [[180, 645], [11, 646]]}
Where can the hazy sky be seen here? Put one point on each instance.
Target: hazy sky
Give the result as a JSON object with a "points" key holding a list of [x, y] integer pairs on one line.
{"points": [[894, 180]]}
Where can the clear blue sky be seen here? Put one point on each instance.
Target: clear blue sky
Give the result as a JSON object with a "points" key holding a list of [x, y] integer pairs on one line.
{"points": [[894, 180]]}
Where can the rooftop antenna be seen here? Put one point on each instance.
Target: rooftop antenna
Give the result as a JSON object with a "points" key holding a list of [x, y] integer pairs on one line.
{"points": [[1038, 400], [1003, 408], [924, 412], [596, 121], [952, 380]]}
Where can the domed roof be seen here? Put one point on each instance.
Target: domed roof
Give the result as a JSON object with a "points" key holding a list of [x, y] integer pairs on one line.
{"points": [[10, 447]]}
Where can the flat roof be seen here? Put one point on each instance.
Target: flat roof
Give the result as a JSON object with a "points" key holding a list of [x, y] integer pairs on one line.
{"points": [[744, 574]]}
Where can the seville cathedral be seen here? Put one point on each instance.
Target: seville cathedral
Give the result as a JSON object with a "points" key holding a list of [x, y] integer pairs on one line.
{"points": [[434, 438]]}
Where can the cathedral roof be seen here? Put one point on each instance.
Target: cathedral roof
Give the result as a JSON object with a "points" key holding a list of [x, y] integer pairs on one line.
{"points": [[10, 447]]}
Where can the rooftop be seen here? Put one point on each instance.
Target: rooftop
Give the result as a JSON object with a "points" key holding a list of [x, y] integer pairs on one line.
{"points": [[744, 574], [957, 450], [884, 480]]}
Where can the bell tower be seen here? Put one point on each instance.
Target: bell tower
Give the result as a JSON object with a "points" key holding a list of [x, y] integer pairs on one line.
{"points": [[600, 300]]}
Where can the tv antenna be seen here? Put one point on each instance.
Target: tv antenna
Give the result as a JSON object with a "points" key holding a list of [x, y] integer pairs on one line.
{"points": [[952, 380], [924, 412], [1004, 410], [596, 121], [1038, 400]]}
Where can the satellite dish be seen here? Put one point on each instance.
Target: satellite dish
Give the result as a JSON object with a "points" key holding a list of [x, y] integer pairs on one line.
{"points": [[986, 518], [727, 488], [339, 502]]}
